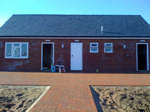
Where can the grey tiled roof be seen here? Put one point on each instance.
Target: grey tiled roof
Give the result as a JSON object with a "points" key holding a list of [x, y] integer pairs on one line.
{"points": [[75, 25]]}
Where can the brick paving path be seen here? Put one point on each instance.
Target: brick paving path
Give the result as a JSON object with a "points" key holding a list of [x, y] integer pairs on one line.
{"points": [[70, 92]]}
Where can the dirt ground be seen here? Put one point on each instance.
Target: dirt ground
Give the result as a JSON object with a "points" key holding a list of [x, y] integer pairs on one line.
{"points": [[18, 98], [123, 99]]}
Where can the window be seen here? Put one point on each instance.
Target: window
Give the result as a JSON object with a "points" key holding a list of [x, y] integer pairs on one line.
{"points": [[93, 47], [108, 47], [16, 50]]}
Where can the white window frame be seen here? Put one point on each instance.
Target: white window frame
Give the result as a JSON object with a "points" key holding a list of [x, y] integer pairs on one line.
{"points": [[20, 46], [108, 47], [94, 46]]}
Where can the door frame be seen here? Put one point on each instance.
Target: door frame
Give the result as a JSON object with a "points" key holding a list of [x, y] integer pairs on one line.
{"points": [[82, 55], [52, 43], [137, 55]]}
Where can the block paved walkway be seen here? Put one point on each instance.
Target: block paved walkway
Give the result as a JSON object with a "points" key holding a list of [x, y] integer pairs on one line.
{"points": [[70, 92]]}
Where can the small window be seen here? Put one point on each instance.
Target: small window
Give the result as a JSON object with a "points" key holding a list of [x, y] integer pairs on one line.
{"points": [[16, 50], [108, 47], [93, 47], [8, 50]]}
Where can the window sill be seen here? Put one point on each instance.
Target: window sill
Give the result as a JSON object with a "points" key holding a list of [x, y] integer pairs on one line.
{"points": [[93, 52], [108, 52], [16, 58]]}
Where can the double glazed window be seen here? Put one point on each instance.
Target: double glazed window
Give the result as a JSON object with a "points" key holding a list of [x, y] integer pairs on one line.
{"points": [[108, 47], [16, 50], [93, 47]]}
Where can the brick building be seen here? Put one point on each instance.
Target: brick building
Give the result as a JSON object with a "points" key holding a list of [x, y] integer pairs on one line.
{"points": [[84, 43]]}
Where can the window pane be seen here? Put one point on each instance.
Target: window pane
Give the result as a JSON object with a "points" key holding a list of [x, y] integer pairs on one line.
{"points": [[16, 44], [108, 44], [94, 49], [107, 49], [24, 50], [94, 45], [8, 50], [16, 52]]}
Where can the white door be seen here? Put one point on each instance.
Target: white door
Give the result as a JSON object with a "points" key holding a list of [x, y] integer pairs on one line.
{"points": [[76, 56]]}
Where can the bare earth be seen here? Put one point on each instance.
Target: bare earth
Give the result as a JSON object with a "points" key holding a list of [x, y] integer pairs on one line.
{"points": [[123, 99], [18, 98]]}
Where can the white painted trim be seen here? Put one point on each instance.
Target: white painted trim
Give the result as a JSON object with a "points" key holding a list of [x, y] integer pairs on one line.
{"points": [[36, 101], [147, 55], [136, 57], [20, 43], [42, 52], [80, 38]]}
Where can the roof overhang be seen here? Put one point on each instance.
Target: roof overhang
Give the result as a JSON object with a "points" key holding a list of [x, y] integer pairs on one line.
{"points": [[74, 37]]}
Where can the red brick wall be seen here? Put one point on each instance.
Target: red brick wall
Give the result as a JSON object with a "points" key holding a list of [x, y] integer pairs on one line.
{"points": [[121, 60], [118, 61]]}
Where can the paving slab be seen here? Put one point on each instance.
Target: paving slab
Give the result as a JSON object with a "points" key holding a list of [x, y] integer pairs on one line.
{"points": [[70, 92]]}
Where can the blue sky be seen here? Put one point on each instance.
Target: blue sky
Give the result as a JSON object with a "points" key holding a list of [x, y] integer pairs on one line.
{"points": [[123, 7]]}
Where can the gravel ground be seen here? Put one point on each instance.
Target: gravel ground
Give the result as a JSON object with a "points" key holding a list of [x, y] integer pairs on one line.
{"points": [[18, 98], [123, 99]]}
